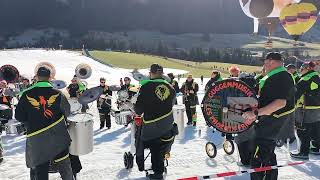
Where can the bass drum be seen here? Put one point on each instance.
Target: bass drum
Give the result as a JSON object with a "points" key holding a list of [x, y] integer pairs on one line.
{"points": [[75, 106], [81, 133], [224, 104]]}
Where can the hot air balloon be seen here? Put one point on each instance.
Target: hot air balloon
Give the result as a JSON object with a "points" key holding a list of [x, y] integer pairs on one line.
{"points": [[297, 19], [259, 9]]}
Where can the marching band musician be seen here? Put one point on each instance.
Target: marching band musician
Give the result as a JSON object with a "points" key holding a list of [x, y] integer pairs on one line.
{"points": [[276, 90], [43, 110], [215, 76], [308, 89], [155, 102], [25, 84], [104, 105], [234, 71], [6, 100], [75, 89], [5, 114], [175, 84], [127, 86], [190, 99], [292, 69]]}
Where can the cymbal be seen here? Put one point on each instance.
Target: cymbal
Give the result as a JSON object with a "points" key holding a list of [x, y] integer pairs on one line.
{"points": [[58, 84], [90, 95]]}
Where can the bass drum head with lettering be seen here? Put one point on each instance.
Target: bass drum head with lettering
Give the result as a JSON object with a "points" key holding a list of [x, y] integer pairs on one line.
{"points": [[224, 104]]}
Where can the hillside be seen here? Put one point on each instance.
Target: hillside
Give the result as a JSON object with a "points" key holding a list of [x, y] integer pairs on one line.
{"points": [[140, 61]]}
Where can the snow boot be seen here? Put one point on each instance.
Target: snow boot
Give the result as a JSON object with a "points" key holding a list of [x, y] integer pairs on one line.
{"points": [[155, 176], [314, 151], [300, 156]]}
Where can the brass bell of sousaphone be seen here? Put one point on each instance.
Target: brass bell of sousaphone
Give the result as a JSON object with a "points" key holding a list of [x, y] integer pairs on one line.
{"points": [[47, 65], [83, 71], [9, 73]]}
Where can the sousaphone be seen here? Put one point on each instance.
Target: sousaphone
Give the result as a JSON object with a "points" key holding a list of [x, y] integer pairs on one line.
{"points": [[57, 84], [9, 73], [83, 71], [48, 66]]}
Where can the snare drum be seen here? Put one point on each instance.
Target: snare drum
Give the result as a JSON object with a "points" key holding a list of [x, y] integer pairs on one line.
{"points": [[75, 106], [123, 117], [13, 127], [81, 133]]}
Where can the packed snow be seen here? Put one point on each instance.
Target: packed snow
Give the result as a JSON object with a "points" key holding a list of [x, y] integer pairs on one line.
{"points": [[188, 156]]}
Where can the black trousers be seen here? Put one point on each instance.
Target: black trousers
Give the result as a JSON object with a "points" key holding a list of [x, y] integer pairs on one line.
{"points": [[40, 172], [158, 148], [264, 156], [307, 132], [105, 119], [190, 110], [246, 150]]}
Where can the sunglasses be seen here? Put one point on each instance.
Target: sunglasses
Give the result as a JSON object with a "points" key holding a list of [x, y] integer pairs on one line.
{"points": [[102, 82]]}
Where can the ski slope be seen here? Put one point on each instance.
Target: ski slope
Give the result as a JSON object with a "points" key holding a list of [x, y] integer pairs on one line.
{"points": [[188, 157]]}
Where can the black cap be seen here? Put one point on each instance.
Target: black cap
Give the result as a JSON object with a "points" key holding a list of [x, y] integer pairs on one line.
{"points": [[156, 68], [43, 72], [274, 56], [291, 66]]}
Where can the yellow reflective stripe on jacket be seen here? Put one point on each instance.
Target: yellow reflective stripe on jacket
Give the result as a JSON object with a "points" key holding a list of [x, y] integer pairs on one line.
{"points": [[46, 128], [257, 150], [284, 113], [157, 119], [312, 107], [193, 106], [61, 159], [167, 140]]}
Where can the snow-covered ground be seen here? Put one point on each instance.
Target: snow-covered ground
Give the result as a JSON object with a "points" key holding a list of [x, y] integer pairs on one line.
{"points": [[188, 157]]}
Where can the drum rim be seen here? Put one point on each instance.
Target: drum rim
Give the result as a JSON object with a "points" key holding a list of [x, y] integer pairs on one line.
{"points": [[207, 119], [84, 113]]}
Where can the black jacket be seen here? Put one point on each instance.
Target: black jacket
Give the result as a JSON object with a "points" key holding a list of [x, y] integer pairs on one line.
{"points": [[309, 87], [104, 104], [5, 114], [73, 90], [155, 101], [190, 97], [212, 81], [127, 87], [175, 85], [43, 110]]}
